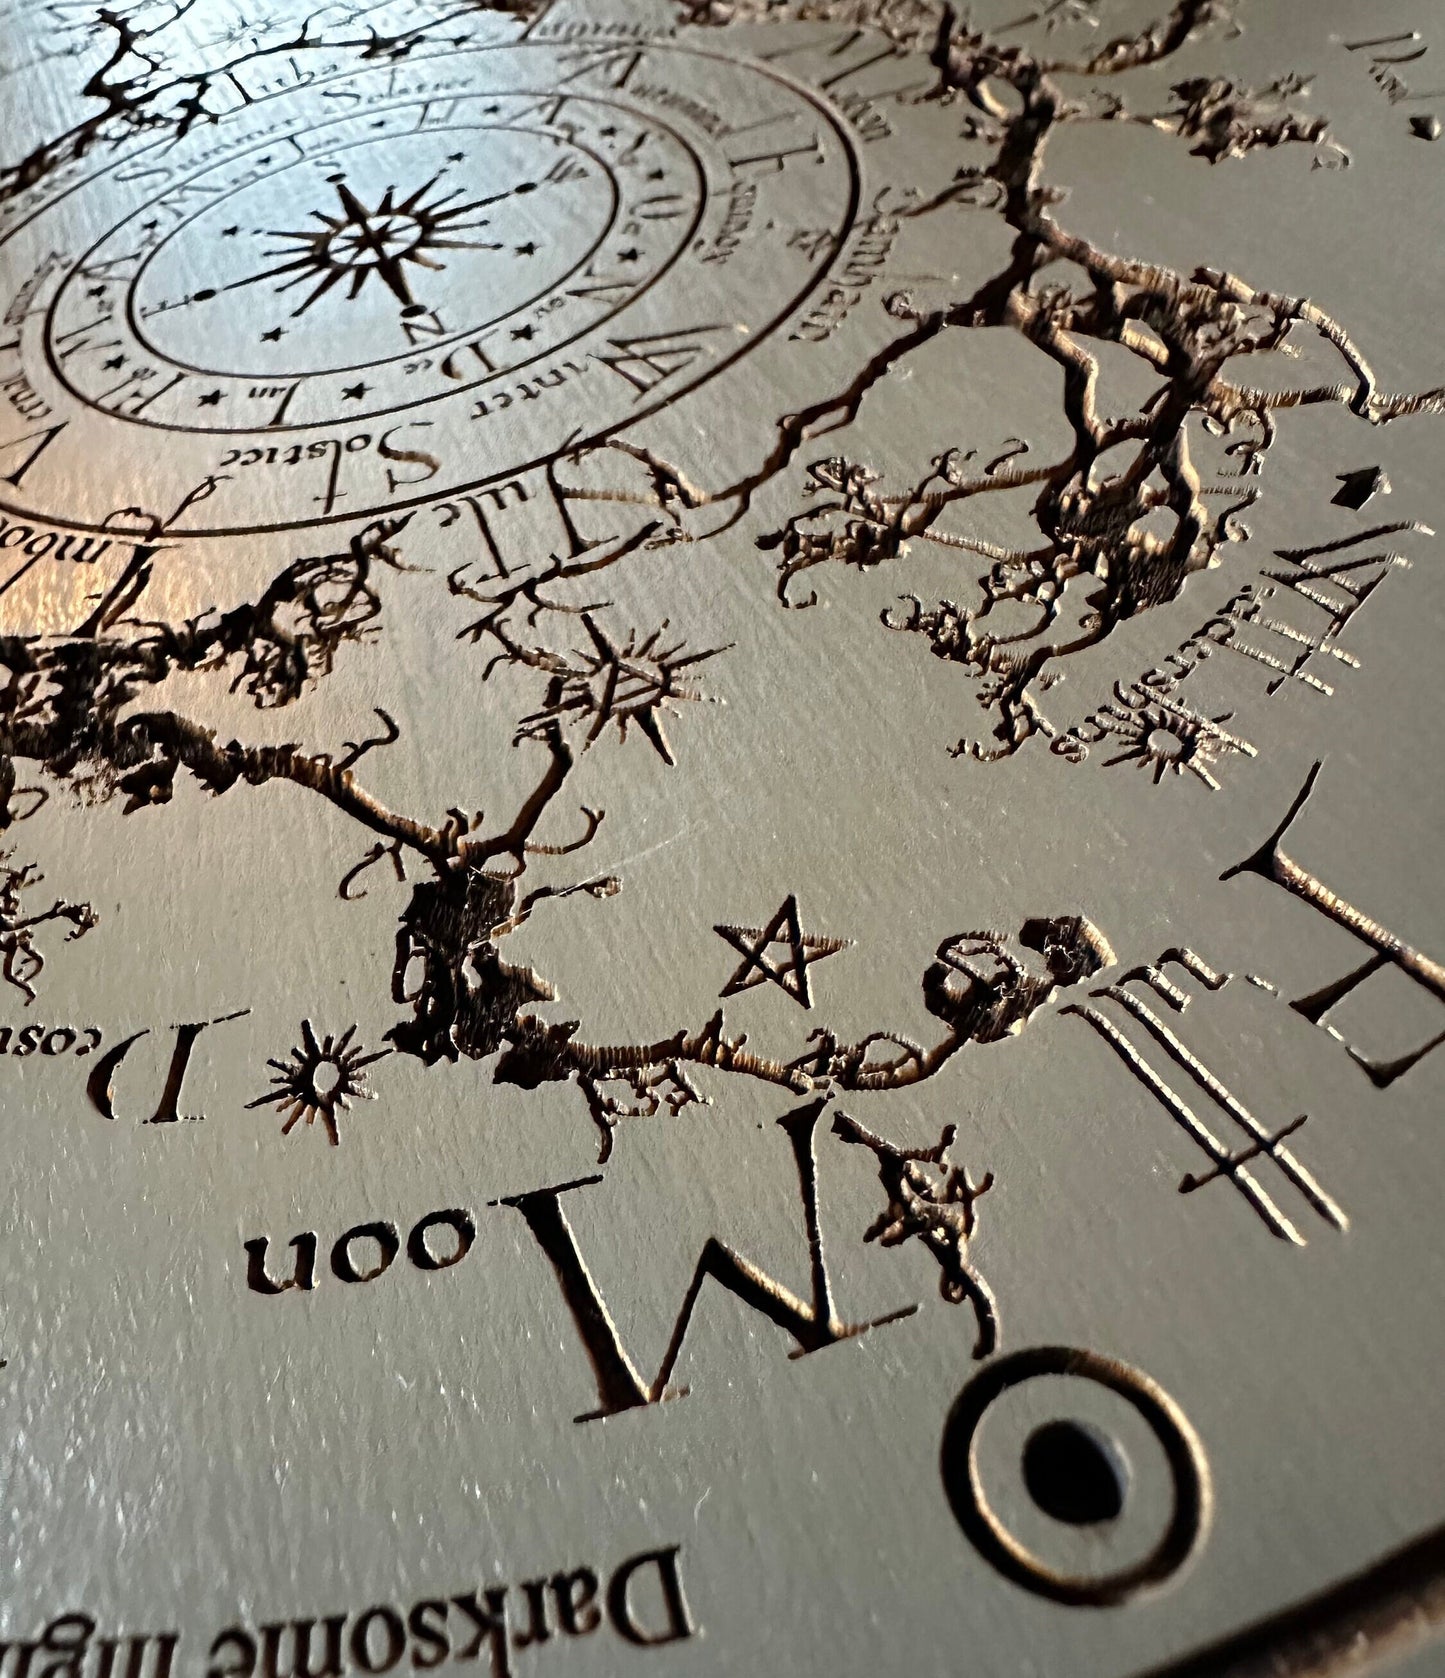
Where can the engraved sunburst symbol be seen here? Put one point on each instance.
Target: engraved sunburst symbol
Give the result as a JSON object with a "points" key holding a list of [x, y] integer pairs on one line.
{"points": [[319, 1080], [378, 242], [1164, 737], [638, 682]]}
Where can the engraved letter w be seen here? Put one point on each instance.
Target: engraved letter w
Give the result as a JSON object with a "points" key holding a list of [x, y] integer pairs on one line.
{"points": [[813, 1323]]}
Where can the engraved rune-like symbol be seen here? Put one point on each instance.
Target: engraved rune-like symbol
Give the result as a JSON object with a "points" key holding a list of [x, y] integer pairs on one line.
{"points": [[1264, 1146], [789, 971], [1357, 487], [1387, 949]]}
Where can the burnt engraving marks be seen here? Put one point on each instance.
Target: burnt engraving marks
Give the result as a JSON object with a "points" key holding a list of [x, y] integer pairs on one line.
{"points": [[529, 220], [1170, 979], [21, 959], [319, 1079], [789, 971], [1387, 950], [1392, 61], [641, 1601], [423, 290], [1263, 1145]]}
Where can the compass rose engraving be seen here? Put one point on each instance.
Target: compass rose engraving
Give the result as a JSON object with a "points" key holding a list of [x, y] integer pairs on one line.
{"points": [[408, 266], [378, 243]]}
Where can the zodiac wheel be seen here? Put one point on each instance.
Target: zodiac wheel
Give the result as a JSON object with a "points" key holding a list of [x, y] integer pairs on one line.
{"points": [[381, 288]]}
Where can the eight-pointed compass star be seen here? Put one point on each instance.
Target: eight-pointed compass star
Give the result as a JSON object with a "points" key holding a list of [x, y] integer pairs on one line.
{"points": [[382, 241]]}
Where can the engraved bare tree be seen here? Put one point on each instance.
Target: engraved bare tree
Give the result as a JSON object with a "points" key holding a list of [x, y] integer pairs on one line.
{"points": [[1124, 514], [1124, 517]]}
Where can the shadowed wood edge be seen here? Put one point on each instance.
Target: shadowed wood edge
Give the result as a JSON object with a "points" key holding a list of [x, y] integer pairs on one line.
{"points": [[1357, 1627]]}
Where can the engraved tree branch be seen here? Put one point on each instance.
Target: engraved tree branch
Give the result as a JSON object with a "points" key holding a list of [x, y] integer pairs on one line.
{"points": [[141, 87], [1125, 515], [936, 1207], [1125, 512], [70, 705], [21, 960]]}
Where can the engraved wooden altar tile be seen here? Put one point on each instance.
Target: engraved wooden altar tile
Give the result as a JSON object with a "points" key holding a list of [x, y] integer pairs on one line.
{"points": [[578, 582]]}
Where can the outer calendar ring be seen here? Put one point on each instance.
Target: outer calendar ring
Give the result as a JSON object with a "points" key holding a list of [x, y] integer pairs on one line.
{"points": [[624, 354]]}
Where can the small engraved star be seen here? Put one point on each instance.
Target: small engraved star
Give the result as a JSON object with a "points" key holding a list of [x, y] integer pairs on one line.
{"points": [[789, 969], [96, 291], [1167, 736], [319, 1080], [114, 362], [529, 249], [525, 332], [274, 336], [211, 399], [354, 393], [631, 254], [229, 232], [456, 157]]}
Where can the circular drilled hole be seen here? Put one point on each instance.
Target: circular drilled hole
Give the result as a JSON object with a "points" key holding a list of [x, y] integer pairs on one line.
{"points": [[1074, 1473]]}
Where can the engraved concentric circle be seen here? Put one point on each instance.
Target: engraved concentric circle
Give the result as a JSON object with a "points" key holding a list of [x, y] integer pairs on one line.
{"points": [[1190, 1500], [383, 287], [489, 218]]}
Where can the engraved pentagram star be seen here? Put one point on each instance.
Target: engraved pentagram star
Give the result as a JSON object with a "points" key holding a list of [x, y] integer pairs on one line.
{"points": [[788, 969]]}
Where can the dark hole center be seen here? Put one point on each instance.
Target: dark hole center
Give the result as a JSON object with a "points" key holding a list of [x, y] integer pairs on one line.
{"points": [[1074, 1473]]}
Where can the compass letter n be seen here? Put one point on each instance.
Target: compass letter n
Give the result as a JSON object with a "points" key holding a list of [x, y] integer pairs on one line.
{"points": [[426, 323]]}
